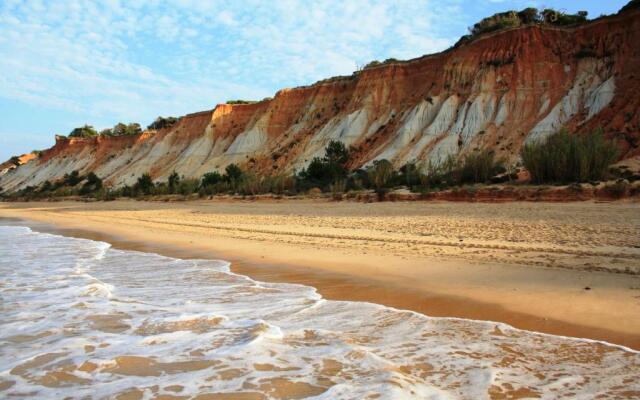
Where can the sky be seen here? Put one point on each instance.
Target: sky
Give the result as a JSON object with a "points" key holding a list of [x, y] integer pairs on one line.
{"points": [[66, 63]]}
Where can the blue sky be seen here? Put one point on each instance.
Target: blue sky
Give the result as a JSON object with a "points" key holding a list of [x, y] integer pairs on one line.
{"points": [[65, 63]]}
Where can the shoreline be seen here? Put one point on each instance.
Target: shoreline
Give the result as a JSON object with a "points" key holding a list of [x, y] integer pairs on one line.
{"points": [[398, 282]]}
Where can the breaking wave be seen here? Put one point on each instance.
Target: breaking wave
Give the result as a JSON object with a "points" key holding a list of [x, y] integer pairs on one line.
{"points": [[81, 319]]}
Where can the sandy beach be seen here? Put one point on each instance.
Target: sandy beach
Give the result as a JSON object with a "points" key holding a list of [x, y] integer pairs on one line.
{"points": [[570, 269]]}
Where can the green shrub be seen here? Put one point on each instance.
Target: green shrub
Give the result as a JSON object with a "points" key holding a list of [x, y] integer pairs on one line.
{"points": [[529, 15], [240, 101], [232, 174], [121, 129], [188, 186], [106, 194], [565, 158], [324, 171], [162, 122], [358, 179], [479, 167], [555, 17], [336, 153], [409, 175], [72, 179], [46, 187], [86, 131], [249, 184], [372, 64], [15, 160], [127, 130], [173, 182], [210, 179], [511, 19], [278, 184], [496, 22], [144, 184], [439, 174], [127, 191], [92, 184], [381, 173]]}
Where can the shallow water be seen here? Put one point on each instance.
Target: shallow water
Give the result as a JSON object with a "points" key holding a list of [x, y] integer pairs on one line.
{"points": [[80, 319]]}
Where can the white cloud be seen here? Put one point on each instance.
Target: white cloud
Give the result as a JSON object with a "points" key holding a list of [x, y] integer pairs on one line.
{"points": [[115, 60]]}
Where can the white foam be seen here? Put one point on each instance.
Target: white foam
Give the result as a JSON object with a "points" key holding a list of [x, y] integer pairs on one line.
{"points": [[170, 310]]}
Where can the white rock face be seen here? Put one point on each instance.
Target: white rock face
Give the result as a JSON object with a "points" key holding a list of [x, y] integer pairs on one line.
{"points": [[446, 147], [479, 113], [590, 91], [503, 111], [250, 140], [412, 128], [445, 117], [601, 97], [346, 129]]}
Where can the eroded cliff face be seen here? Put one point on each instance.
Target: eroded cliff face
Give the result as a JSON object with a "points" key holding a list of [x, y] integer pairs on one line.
{"points": [[497, 92]]}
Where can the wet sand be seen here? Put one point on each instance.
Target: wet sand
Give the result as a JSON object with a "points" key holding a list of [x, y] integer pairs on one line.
{"points": [[524, 264]]}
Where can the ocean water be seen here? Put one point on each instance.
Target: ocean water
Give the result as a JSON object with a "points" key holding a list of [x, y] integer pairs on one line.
{"points": [[79, 319]]}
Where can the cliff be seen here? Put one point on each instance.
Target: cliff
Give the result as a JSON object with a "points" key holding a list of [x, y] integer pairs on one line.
{"points": [[497, 91]]}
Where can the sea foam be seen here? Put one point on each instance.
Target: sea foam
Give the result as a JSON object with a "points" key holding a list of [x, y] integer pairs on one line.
{"points": [[81, 319]]}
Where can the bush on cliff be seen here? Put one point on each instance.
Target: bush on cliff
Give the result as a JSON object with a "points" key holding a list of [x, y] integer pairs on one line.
{"points": [[496, 22], [162, 122], [240, 101], [86, 131], [565, 158], [121, 129], [558, 18], [127, 129], [512, 19]]}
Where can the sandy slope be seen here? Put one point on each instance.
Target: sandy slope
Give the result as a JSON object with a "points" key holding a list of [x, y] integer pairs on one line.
{"points": [[527, 264]]}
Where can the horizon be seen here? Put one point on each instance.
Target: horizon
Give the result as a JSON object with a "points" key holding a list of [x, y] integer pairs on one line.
{"points": [[109, 63]]}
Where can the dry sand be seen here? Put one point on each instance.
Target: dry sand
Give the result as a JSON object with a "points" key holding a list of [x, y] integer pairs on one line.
{"points": [[570, 269]]}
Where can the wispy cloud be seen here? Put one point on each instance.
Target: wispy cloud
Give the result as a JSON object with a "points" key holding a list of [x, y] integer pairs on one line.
{"points": [[102, 62]]}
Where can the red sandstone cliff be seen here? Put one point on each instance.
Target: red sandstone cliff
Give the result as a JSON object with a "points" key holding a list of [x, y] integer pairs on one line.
{"points": [[496, 92]]}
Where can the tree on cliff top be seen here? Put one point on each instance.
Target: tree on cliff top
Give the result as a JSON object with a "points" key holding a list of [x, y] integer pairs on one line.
{"points": [[241, 101], [86, 131], [121, 129], [531, 15], [127, 130], [162, 122]]}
